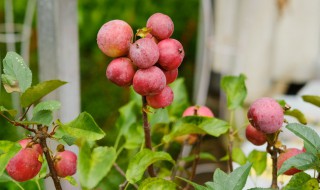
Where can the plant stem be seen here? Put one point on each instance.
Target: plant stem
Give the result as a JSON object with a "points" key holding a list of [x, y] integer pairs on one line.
{"points": [[230, 142], [15, 123], [147, 133], [42, 135], [272, 150], [123, 185]]}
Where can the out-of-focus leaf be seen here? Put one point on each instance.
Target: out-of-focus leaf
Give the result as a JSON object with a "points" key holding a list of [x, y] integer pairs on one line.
{"points": [[13, 113], [235, 90], [8, 150], [157, 184], [297, 114], [315, 100], [258, 160], [297, 181], [302, 161]]}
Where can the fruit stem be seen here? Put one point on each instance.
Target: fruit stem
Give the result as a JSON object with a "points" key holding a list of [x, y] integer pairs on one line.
{"points": [[230, 142], [42, 135], [272, 150], [147, 133]]}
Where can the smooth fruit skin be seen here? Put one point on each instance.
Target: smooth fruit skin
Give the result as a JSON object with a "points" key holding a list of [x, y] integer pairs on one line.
{"points": [[65, 163], [120, 71], [285, 156], [171, 76], [25, 165], [161, 26], [254, 136], [24, 143], [198, 110], [171, 54], [150, 81], [266, 115], [114, 38], [144, 53], [161, 100]]}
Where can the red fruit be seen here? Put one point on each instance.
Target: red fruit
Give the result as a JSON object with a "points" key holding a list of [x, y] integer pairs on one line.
{"points": [[120, 71], [254, 136], [171, 75], [266, 115], [65, 163], [198, 110], [161, 100], [171, 54], [150, 81], [25, 142], [285, 156], [114, 38], [25, 165], [161, 26], [144, 53]]}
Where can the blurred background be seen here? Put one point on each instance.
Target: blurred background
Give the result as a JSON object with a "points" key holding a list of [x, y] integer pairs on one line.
{"points": [[275, 43]]}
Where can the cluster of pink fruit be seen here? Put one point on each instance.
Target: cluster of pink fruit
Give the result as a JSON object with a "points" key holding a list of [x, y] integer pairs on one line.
{"points": [[149, 64], [27, 163], [266, 117]]}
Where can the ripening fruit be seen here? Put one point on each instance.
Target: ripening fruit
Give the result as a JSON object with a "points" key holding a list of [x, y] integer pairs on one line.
{"points": [[25, 165], [114, 38], [161, 26], [171, 75], [266, 115], [161, 100], [120, 71], [290, 152], [171, 54], [150, 81], [198, 110], [25, 142], [144, 53], [65, 163], [254, 136]]}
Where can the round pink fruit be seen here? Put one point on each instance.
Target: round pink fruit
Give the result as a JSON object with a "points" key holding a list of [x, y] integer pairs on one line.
{"points": [[150, 81], [171, 54], [25, 165], [65, 163], [114, 38], [266, 115], [161, 100], [198, 110], [27, 142], [254, 136], [120, 71], [290, 152], [161, 26], [144, 53], [171, 75]]}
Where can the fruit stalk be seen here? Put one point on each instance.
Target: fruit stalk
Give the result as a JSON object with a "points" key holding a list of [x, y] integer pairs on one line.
{"points": [[272, 150], [147, 134], [42, 135]]}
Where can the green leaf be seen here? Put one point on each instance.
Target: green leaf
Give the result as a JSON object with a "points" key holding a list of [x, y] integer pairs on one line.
{"points": [[157, 184], [14, 66], [140, 162], [196, 186], [84, 126], [35, 93], [202, 155], [197, 125], [258, 160], [234, 181], [238, 156], [315, 100], [260, 188], [134, 137], [181, 99], [71, 180], [297, 114], [312, 184], [8, 149], [13, 113], [94, 165], [10, 83], [235, 89], [306, 134], [50, 105], [302, 161], [297, 181], [127, 117], [43, 117], [159, 116]]}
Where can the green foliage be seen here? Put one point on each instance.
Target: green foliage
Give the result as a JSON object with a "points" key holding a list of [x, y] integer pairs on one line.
{"points": [[297, 114], [235, 89], [315, 100], [17, 75], [7, 150], [157, 184], [258, 160], [139, 163], [13, 113], [94, 164], [298, 181]]}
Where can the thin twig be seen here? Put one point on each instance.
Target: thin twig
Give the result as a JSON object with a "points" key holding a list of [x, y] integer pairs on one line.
{"points": [[117, 167], [147, 133], [15, 123], [24, 114]]}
